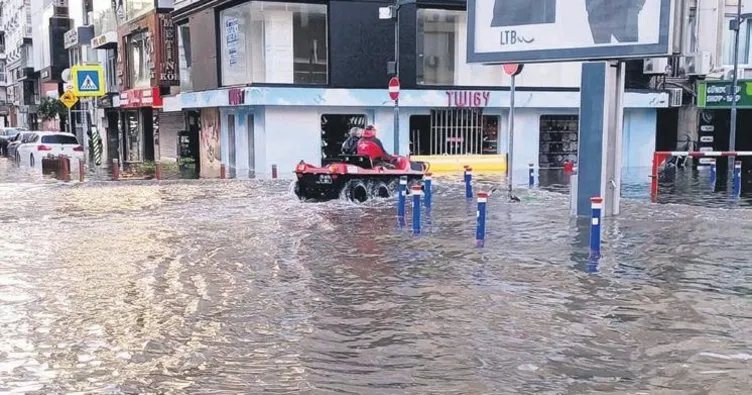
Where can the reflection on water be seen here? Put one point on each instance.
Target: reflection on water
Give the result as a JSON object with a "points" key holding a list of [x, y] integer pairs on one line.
{"points": [[235, 287]]}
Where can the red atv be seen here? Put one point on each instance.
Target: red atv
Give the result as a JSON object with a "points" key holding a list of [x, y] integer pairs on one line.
{"points": [[355, 178]]}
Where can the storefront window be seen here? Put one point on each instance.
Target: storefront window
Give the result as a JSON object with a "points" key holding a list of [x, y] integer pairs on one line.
{"points": [[139, 60], [441, 47], [558, 140], [269, 42], [462, 131], [184, 54]]}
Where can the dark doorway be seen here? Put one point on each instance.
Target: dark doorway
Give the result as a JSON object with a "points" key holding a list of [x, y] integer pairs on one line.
{"points": [[335, 129], [667, 133], [148, 126], [420, 134], [113, 139]]}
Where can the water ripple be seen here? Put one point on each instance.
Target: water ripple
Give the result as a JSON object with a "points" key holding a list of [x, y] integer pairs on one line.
{"points": [[236, 287]]}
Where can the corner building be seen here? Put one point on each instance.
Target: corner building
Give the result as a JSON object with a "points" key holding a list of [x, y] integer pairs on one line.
{"points": [[266, 83]]}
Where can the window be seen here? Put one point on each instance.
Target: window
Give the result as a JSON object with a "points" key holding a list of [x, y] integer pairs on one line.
{"points": [[745, 31], [64, 139], [456, 131], [269, 42], [136, 8], [442, 52], [558, 140], [139, 60], [184, 57], [74, 56], [111, 70]]}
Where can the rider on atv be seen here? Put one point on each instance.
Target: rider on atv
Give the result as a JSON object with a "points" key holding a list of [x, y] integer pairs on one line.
{"points": [[370, 146]]}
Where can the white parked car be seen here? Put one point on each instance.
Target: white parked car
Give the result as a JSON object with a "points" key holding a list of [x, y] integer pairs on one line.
{"points": [[44, 144]]}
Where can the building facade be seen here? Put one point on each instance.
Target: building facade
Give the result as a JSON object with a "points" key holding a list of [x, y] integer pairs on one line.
{"points": [[5, 103], [279, 82], [105, 42], [20, 62], [146, 72]]}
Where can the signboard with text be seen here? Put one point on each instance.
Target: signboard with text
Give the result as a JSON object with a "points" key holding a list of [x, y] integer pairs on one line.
{"points": [[534, 31], [718, 94]]}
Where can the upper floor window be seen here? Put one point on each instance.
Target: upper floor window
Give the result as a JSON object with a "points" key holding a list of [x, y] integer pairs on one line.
{"points": [[138, 60], [136, 8], [745, 33], [270, 42], [442, 51], [184, 57]]}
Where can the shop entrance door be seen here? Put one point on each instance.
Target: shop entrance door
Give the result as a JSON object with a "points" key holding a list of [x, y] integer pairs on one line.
{"points": [[334, 131]]}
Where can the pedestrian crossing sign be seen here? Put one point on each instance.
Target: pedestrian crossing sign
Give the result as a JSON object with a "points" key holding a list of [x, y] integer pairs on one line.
{"points": [[88, 80]]}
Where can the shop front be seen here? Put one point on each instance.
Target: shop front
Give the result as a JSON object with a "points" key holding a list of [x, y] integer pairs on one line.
{"points": [[139, 125], [465, 130], [146, 69], [259, 128]]}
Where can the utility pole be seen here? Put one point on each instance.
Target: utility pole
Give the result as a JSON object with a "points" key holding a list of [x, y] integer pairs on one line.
{"points": [[732, 127], [392, 12]]}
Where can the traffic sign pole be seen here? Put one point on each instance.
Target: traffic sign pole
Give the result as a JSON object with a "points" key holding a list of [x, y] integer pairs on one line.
{"points": [[512, 70], [394, 89]]}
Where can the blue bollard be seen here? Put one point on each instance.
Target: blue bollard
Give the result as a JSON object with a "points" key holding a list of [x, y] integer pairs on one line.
{"points": [[531, 175], [596, 204], [737, 189], [427, 190], [713, 174], [480, 228], [468, 182], [416, 191], [401, 199]]}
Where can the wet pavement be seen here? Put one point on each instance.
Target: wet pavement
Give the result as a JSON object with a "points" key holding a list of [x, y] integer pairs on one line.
{"points": [[229, 287]]}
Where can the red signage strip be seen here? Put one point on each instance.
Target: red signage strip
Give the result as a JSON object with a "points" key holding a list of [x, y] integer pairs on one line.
{"points": [[236, 96], [136, 98]]}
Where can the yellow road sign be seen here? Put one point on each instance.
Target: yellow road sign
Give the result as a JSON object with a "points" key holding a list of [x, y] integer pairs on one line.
{"points": [[69, 99]]}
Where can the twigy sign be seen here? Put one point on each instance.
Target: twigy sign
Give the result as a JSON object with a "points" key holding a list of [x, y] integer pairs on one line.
{"points": [[468, 98]]}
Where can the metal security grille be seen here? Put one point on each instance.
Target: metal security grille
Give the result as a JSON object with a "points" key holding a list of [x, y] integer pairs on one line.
{"points": [[456, 131]]}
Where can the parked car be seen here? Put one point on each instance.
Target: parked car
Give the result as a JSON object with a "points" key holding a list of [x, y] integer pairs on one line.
{"points": [[49, 144], [5, 135], [15, 141]]}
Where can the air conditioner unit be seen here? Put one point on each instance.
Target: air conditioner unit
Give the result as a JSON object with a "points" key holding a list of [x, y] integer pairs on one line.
{"points": [[654, 66], [696, 64], [675, 97], [743, 71]]}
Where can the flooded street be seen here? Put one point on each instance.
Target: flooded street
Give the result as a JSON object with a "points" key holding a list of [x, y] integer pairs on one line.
{"points": [[230, 287]]}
